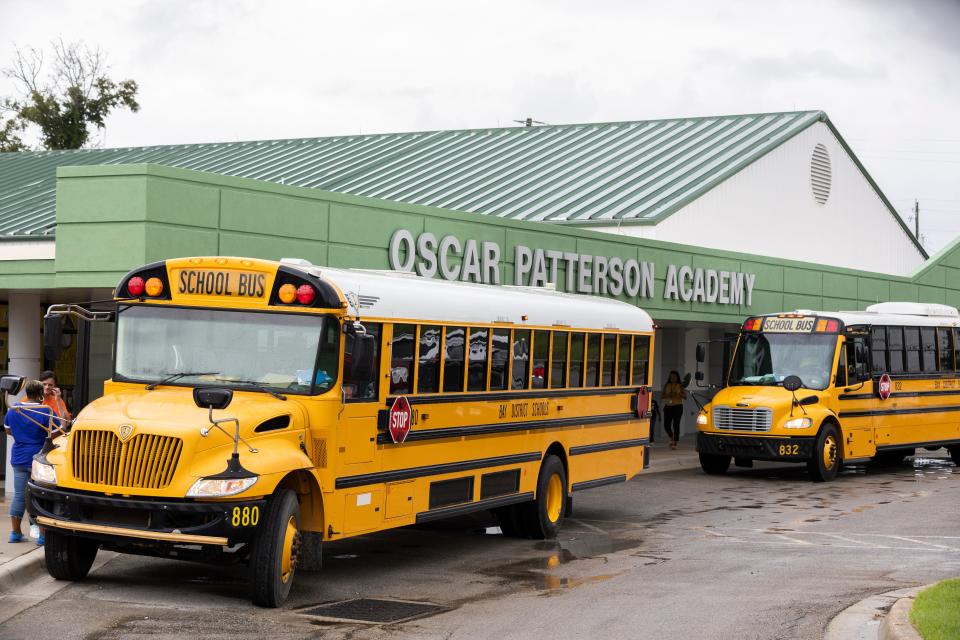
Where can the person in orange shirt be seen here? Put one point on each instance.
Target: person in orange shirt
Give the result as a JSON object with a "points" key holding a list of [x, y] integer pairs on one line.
{"points": [[52, 397]]}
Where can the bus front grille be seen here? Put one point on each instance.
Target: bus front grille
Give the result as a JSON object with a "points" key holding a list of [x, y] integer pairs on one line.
{"points": [[736, 419], [145, 461]]}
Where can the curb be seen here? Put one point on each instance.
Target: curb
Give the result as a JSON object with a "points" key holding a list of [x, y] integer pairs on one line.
{"points": [[896, 625], [863, 620], [21, 570]]}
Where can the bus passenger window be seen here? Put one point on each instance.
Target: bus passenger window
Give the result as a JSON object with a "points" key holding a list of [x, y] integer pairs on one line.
{"points": [[558, 364], [520, 370], [609, 359], [593, 360], [499, 359], [477, 367], [946, 348], [541, 359], [623, 361], [401, 359], [895, 349], [355, 385], [577, 344], [641, 359], [878, 348], [956, 346], [912, 349], [928, 345], [428, 360], [453, 357]]}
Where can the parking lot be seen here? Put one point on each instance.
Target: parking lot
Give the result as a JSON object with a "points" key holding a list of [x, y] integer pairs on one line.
{"points": [[758, 553]]}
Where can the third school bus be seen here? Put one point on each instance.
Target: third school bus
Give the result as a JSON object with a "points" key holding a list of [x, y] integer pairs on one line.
{"points": [[825, 388], [256, 407]]}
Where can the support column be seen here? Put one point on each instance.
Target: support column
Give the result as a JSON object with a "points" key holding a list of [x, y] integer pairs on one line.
{"points": [[25, 349]]}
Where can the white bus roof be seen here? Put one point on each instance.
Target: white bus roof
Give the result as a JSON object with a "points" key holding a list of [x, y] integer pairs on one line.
{"points": [[909, 314], [407, 296]]}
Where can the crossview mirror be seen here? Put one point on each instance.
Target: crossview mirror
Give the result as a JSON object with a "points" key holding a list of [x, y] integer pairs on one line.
{"points": [[792, 383], [52, 335], [12, 385], [212, 398]]}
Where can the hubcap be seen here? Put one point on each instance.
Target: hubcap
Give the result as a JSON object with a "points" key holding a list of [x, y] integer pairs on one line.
{"points": [[554, 498], [829, 452], [291, 550]]}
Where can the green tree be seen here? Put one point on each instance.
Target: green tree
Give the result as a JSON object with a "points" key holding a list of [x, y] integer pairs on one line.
{"points": [[73, 97]]}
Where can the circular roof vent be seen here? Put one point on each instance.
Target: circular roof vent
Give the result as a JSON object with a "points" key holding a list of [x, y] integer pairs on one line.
{"points": [[820, 175]]}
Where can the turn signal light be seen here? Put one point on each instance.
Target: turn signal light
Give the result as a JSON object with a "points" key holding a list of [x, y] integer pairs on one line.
{"points": [[135, 286], [305, 294], [154, 286], [287, 293], [752, 324]]}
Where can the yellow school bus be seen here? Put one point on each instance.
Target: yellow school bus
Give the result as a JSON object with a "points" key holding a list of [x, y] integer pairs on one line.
{"points": [[826, 388], [259, 408]]}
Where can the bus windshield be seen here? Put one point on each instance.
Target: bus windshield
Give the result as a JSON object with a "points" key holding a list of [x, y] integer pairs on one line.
{"points": [[293, 353], [767, 358]]}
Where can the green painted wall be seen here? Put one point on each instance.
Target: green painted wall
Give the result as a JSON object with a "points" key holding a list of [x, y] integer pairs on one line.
{"points": [[113, 218]]}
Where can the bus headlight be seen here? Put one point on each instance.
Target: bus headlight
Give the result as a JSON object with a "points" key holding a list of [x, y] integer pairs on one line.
{"points": [[702, 419], [798, 423], [43, 472], [220, 487]]}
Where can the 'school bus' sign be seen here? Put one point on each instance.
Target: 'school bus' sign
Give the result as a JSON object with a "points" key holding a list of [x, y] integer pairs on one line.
{"points": [[479, 261]]}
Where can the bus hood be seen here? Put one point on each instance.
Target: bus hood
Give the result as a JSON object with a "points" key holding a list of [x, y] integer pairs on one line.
{"points": [[171, 411], [758, 396]]}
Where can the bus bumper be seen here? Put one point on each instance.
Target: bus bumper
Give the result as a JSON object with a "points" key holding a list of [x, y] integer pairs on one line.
{"points": [[757, 447], [124, 521]]}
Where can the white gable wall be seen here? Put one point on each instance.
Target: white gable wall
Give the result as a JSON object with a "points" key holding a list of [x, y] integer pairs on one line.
{"points": [[768, 208]]}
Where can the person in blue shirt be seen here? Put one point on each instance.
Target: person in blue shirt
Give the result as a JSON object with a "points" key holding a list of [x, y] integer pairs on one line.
{"points": [[25, 421]]}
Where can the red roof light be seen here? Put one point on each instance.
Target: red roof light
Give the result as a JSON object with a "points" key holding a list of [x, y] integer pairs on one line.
{"points": [[135, 286], [306, 294]]}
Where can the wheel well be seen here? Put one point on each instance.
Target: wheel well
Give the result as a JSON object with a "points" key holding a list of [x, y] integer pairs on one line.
{"points": [[556, 449], [835, 423], [305, 485]]}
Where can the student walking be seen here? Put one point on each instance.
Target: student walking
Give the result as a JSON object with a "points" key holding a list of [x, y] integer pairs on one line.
{"points": [[25, 421], [673, 396]]}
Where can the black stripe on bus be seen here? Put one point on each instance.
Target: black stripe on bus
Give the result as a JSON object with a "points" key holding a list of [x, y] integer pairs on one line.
{"points": [[506, 427], [470, 507], [608, 446], [896, 412], [914, 445], [901, 394], [599, 482], [433, 470], [526, 394]]}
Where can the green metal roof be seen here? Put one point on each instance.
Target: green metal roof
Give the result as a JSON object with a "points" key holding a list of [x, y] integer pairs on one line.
{"points": [[633, 172]]}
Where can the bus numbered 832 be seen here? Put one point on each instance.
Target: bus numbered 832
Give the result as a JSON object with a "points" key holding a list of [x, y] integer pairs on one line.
{"points": [[258, 409], [824, 388]]}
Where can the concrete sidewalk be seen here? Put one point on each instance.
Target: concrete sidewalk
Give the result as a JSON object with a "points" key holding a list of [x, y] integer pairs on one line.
{"points": [[663, 458]]}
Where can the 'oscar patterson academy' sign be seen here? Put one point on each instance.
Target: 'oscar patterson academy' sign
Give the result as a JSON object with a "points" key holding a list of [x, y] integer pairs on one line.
{"points": [[474, 261]]}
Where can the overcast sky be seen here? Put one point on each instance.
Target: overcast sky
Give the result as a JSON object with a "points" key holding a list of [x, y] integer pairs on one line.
{"points": [[886, 72]]}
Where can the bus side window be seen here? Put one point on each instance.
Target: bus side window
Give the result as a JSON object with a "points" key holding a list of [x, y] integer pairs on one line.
{"points": [[858, 360], [945, 336], [956, 347], [477, 365], [641, 360], [593, 360], [360, 387], [558, 372], [453, 357], [520, 370], [401, 358], [623, 361], [609, 359], [428, 360], [541, 359], [577, 345], [911, 344], [928, 344], [499, 359], [895, 349]]}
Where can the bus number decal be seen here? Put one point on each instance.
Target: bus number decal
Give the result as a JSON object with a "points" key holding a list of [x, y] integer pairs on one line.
{"points": [[245, 516], [789, 450]]}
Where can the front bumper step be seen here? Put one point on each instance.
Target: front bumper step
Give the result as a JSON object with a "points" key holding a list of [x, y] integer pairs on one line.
{"points": [[796, 449]]}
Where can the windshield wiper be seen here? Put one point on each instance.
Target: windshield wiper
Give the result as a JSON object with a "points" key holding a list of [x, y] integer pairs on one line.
{"points": [[259, 385], [177, 376]]}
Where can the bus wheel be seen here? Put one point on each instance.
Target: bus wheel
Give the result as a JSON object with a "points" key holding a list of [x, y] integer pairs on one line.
{"points": [[714, 464], [68, 557], [276, 551], [541, 518], [955, 454], [826, 455]]}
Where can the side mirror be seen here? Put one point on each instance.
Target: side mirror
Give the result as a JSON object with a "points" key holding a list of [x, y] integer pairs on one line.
{"points": [[792, 383], [701, 354], [686, 380], [699, 376], [212, 397], [361, 358], [52, 335], [12, 385]]}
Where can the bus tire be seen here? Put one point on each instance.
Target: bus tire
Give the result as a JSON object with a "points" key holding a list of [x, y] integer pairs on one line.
{"points": [[275, 554], [827, 455], [541, 519], [68, 557], [714, 464], [955, 454]]}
